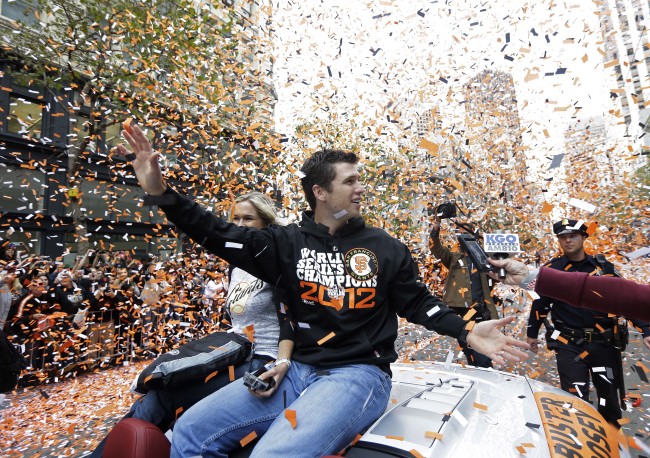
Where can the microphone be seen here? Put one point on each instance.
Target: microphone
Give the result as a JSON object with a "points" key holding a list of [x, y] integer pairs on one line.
{"points": [[501, 246]]}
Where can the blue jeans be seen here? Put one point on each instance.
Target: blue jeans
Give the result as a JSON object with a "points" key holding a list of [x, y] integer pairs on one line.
{"points": [[159, 406], [332, 406]]}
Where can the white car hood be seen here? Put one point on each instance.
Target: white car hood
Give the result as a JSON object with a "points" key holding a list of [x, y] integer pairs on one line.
{"points": [[446, 410]]}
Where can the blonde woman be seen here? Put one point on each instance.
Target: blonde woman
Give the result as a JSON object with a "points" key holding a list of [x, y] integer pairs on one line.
{"points": [[249, 303]]}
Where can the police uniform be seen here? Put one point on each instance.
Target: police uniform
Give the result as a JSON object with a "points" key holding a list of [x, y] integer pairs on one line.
{"points": [[584, 340]]}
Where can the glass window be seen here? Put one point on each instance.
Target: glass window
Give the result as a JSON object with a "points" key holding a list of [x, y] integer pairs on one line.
{"points": [[96, 200], [81, 130], [155, 215], [114, 136], [137, 245], [117, 202], [22, 189], [20, 10], [167, 143], [128, 203], [25, 117]]}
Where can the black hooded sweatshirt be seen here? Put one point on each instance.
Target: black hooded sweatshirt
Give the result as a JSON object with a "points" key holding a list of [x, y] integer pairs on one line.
{"points": [[344, 291]]}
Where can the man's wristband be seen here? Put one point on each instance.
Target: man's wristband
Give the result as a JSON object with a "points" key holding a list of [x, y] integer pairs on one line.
{"points": [[465, 332], [287, 361], [463, 336], [166, 198]]}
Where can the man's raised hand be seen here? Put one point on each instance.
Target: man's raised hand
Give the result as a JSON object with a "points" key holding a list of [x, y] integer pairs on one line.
{"points": [[143, 159]]}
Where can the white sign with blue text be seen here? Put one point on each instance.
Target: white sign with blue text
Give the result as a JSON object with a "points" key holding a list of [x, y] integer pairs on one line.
{"points": [[501, 243]]}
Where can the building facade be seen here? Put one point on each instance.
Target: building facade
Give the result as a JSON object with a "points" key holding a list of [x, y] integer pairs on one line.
{"points": [[624, 25], [37, 130]]}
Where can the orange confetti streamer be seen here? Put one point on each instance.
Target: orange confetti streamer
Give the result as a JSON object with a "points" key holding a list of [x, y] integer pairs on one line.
{"points": [[210, 376], [591, 229], [250, 332], [291, 416], [104, 410], [326, 338], [356, 439], [470, 313], [431, 147], [246, 440]]}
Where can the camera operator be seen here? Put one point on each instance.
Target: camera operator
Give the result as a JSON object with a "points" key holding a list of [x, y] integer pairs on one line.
{"points": [[467, 292]]}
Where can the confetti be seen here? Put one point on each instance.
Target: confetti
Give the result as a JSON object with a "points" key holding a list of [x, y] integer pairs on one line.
{"points": [[126, 125], [433, 435], [290, 415], [462, 146], [480, 406], [326, 338], [246, 440], [210, 376]]}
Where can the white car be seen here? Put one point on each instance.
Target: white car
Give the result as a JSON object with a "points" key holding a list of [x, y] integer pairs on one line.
{"points": [[446, 410]]}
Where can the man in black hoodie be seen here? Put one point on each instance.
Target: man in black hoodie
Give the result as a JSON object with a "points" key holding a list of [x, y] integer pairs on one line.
{"points": [[347, 283]]}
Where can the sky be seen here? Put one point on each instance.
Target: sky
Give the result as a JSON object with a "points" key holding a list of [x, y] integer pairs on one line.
{"points": [[360, 57]]}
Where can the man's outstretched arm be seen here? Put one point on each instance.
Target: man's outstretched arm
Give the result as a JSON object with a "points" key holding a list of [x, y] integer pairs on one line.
{"points": [[604, 293]]}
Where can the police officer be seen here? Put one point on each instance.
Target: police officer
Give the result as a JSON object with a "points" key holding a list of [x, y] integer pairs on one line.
{"points": [[584, 340], [467, 292]]}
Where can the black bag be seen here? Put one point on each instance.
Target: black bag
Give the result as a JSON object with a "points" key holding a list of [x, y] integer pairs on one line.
{"points": [[194, 361], [11, 364]]}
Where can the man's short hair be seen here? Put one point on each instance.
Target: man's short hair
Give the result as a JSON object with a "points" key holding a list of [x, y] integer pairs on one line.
{"points": [[319, 170]]}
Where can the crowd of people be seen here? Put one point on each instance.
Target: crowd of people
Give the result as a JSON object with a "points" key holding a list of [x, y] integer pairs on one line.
{"points": [[107, 307]]}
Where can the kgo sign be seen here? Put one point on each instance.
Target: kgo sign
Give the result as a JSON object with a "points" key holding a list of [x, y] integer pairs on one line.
{"points": [[501, 243]]}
